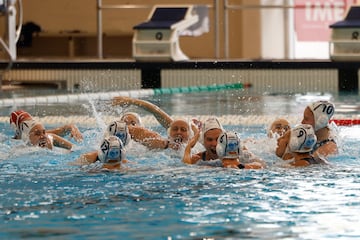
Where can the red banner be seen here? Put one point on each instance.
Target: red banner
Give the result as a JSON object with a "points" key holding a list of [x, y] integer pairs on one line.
{"points": [[313, 17]]}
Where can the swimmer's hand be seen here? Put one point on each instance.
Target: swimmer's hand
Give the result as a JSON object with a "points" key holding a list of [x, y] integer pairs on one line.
{"points": [[75, 133]]}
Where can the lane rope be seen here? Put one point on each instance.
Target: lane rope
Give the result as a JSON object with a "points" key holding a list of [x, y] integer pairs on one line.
{"points": [[105, 96], [150, 120]]}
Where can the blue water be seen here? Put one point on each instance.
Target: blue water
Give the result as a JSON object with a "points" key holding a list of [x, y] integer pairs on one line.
{"points": [[158, 197]]}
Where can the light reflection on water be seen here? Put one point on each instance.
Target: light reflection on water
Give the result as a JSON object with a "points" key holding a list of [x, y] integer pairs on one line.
{"points": [[160, 198]]}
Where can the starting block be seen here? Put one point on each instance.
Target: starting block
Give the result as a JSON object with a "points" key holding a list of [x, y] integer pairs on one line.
{"points": [[157, 39]]}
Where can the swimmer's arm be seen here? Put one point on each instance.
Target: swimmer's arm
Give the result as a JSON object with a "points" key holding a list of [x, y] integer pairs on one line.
{"points": [[187, 158], [282, 143], [85, 159], [67, 129], [330, 148], [163, 118], [148, 138], [61, 142], [253, 165], [299, 163]]}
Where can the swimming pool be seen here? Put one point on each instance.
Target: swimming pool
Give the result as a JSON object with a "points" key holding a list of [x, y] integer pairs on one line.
{"points": [[42, 196]]}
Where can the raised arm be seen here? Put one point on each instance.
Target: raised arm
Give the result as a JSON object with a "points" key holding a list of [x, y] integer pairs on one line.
{"points": [[67, 129], [163, 118], [188, 158]]}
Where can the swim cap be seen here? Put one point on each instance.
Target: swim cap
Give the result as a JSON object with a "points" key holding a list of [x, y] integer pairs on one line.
{"points": [[210, 123], [111, 148], [228, 145], [119, 129], [302, 138], [323, 111], [188, 126], [25, 128], [278, 128], [133, 115], [16, 118]]}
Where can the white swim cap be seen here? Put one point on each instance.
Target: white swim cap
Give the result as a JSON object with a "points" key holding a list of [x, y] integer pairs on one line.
{"points": [[135, 115], [228, 145], [302, 138], [119, 129], [208, 124], [188, 126], [111, 149], [25, 128], [323, 111]]}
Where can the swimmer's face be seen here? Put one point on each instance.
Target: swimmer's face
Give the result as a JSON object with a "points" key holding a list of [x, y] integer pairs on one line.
{"points": [[131, 119], [38, 136], [308, 117], [179, 129], [279, 127], [210, 139]]}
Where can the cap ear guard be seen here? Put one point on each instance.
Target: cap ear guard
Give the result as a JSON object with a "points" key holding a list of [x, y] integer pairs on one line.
{"points": [[111, 149], [119, 129], [228, 145], [322, 111], [302, 138]]}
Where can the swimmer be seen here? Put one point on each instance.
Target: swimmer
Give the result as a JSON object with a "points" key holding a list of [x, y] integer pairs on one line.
{"points": [[179, 130], [229, 151], [318, 114], [115, 128], [18, 116], [278, 128], [33, 133], [301, 141], [209, 134], [111, 154]]}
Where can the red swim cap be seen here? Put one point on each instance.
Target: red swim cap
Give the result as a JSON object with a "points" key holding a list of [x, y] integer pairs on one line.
{"points": [[18, 117]]}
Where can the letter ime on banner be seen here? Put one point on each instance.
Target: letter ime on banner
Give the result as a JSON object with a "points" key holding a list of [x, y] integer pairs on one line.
{"points": [[313, 17]]}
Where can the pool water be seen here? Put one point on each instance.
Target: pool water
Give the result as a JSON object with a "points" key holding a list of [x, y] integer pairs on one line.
{"points": [[158, 197]]}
